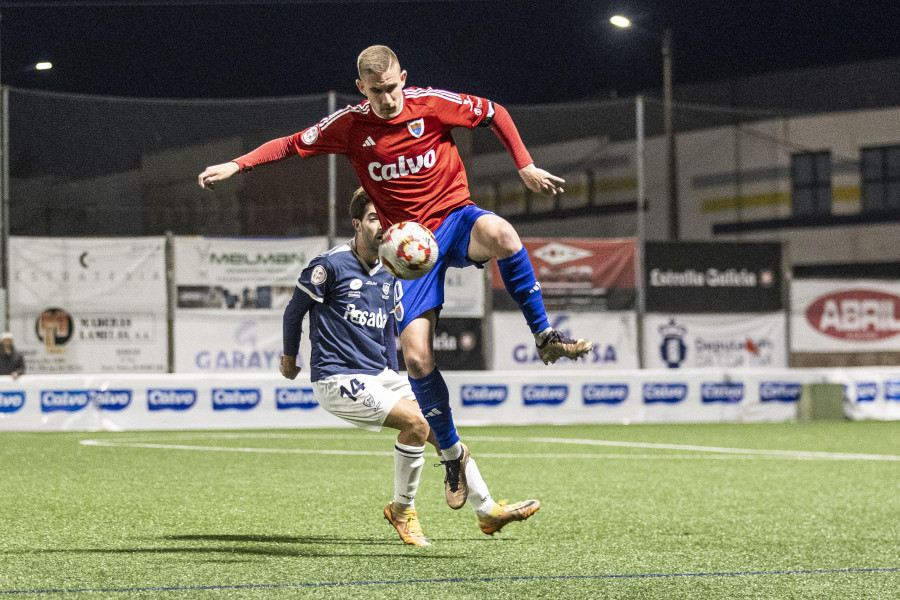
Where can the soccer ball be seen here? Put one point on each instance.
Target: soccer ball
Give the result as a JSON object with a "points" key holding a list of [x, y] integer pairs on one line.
{"points": [[408, 250]]}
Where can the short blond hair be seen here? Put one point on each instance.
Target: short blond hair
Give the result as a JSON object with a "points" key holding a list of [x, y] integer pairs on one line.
{"points": [[375, 60]]}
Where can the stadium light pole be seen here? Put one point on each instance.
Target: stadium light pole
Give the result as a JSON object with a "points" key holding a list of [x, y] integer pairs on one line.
{"points": [[665, 40], [4, 187]]}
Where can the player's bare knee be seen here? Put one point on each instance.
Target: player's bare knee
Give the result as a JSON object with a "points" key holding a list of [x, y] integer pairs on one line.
{"points": [[506, 240], [418, 429], [419, 364]]}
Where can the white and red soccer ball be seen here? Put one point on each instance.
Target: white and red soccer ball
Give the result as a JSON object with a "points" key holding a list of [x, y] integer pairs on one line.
{"points": [[408, 250]]}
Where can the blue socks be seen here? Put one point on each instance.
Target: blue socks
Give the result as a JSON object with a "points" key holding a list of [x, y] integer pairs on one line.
{"points": [[434, 401], [518, 277]]}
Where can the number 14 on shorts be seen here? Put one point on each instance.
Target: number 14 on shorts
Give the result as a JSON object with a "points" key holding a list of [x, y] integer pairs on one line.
{"points": [[356, 387]]}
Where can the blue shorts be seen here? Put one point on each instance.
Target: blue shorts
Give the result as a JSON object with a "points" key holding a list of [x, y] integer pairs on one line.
{"points": [[414, 297]]}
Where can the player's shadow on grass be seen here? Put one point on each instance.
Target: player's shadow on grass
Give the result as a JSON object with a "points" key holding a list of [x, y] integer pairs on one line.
{"points": [[234, 551], [322, 539]]}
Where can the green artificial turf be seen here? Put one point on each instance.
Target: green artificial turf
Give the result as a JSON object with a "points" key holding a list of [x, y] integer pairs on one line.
{"points": [[180, 517]]}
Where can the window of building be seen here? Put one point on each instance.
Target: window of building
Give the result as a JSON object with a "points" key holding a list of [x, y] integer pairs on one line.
{"points": [[811, 183], [879, 170]]}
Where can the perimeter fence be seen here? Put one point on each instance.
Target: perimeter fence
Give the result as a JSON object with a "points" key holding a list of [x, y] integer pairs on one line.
{"points": [[108, 166]]}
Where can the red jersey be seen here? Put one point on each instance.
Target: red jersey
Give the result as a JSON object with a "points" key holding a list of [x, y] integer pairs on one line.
{"points": [[408, 165]]}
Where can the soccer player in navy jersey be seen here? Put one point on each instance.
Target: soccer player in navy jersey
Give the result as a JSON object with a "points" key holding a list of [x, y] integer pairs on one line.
{"points": [[399, 143], [353, 368]]}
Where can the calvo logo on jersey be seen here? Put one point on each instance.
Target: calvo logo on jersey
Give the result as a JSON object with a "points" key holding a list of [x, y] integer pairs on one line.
{"points": [[403, 167], [779, 391], [303, 398], [10, 402], [416, 128], [171, 399], [866, 391], [544, 394], [604, 393], [487, 395], [726, 392], [237, 399], [669, 393]]}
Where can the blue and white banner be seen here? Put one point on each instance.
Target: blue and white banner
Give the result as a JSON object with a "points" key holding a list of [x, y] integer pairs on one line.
{"points": [[540, 396], [614, 335], [230, 299], [709, 341]]}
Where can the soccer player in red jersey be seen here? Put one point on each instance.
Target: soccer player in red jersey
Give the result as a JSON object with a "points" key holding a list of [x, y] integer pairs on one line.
{"points": [[400, 146]]}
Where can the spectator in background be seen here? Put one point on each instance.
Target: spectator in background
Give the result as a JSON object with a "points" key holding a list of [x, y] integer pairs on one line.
{"points": [[11, 361]]}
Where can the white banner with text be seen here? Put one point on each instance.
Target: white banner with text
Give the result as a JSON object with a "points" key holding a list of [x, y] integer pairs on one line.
{"points": [[89, 305]]}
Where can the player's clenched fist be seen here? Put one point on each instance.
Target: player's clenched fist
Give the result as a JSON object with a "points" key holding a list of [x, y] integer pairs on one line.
{"points": [[289, 366], [215, 173]]}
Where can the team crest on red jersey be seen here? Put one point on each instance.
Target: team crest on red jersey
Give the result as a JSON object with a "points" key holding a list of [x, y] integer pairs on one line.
{"points": [[416, 128]]}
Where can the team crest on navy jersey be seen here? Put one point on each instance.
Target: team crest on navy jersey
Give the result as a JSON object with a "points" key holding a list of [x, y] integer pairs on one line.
{"points": [[416, 128], [319, 275]]}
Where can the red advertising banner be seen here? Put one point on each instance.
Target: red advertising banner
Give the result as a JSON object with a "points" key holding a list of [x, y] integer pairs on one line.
{"points": [[577, 274]]}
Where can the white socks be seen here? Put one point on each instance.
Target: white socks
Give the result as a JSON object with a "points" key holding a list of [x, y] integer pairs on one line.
{"points": [[453, 452], [479, 496], [408, 462], [541, 335]]}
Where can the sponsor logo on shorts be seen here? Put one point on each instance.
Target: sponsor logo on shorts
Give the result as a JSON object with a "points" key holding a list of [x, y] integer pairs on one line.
{"points": [[779, 391], [286, 398], [604, 393], [728, 393], [170, 399], [486, 395], [552, 395], [669, 393], [10, 402], [237, 399]]}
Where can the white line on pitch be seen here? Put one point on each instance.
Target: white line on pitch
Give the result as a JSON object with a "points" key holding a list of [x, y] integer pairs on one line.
{"points": [[723, 453]]}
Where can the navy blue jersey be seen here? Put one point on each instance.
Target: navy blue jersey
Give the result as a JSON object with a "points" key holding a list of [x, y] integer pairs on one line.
{"points": [[351, 327]]}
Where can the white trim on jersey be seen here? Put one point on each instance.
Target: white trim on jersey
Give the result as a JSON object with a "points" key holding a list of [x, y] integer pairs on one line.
{"points": [[419, 92], [359, 108], [310, 294]]}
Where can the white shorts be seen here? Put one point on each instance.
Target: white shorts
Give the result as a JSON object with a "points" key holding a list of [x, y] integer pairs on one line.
{"points": [[362, 400]]}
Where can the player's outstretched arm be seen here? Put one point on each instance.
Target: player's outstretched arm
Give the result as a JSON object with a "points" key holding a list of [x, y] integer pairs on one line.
{"points": [[540, 181], [215, 173]]}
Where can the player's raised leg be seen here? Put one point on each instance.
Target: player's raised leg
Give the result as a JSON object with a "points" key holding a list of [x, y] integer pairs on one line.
{"points": [[429, 387], [493, 237]]}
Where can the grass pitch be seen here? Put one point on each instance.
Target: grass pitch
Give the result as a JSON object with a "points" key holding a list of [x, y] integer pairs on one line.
{"points": [[642, 511]]}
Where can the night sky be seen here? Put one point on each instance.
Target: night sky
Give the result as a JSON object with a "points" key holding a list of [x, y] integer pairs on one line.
{"points": [[512, 52]]}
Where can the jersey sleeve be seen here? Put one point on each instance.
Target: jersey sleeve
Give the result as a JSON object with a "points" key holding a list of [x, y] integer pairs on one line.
{"points": [[328, 136], [317, 279], [292, 323], [390, 344], [456, 110]]}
